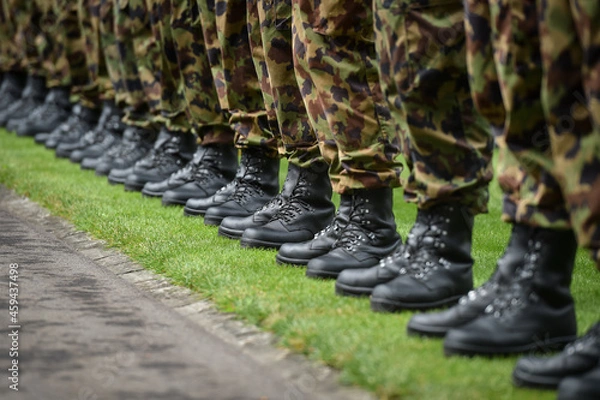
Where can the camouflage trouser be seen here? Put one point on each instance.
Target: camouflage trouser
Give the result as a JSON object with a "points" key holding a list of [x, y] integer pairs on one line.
{"points": [[336, 68], [63, 49], [226, 38], [506, 72], [172, 100], [200, 94], [134, 40], [11, 59], [447, 144], [271, 43], [99, 86], [111, 50], [19, 30], [570, 43]]}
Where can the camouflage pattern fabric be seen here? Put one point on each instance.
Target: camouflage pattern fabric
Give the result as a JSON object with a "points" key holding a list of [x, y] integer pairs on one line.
{"points": [[202, 105], [134, 39], [111, 50], [236, 79], [570, 50], [99, 86], [447, 144], [64, 52], [11, 57], [506, 74], [172, 100], [271, 44], [336, 68]]}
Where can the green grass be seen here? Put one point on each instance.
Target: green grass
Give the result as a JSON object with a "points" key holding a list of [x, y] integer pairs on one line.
{"points": [[371, 350]]}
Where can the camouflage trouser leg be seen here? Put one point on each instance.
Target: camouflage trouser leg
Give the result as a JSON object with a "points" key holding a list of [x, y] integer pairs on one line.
{"points": [[239, 88], [208, 119], [172, 99], [505, 68], [66, 64], [448, 146], [336, 68], [11, 59], [110, 52], [130, 17], [570, 39], [99, 86], [271, 42]]}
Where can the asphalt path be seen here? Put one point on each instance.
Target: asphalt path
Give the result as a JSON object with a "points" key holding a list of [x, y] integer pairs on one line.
{"points": [[83, 333]]}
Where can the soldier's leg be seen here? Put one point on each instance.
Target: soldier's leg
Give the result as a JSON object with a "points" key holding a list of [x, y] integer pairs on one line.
{"points": [[19, 49], [447, 147], [82, 68], [215, 161], [129, 19], [570, 95], [99, 89], [569, 38], [65, 62], [303, 207], [336, 68], [162, 83], [226, 37], [543, 274], [11, 65]]}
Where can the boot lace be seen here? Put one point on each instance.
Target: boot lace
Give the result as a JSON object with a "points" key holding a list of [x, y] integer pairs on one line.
{"points": [[519, 294], [247, 185], [419, 255], [337, 224], [356, 232], [296, 204]]}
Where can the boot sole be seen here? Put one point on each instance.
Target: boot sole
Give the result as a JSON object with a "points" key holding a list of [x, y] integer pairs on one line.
{"points": [[230, 233], [149, 193], [191, 212], [212, 221], [385, 305], [134, 187], [545, 346], [321, 274], [290, 261], [253, 243], [114, 181], [425, 331], [352, 291], [523, 379], [169, 203]]}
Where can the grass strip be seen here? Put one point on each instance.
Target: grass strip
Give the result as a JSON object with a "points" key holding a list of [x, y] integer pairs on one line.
{"points": [[371, 350]]}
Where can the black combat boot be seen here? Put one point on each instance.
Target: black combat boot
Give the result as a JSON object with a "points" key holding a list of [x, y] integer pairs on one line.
{"points": [[107, 132], [577, 358], [258, 182], [536, 311], [233, 227], [50, 115], [33, 96], [307, 210], [171, 152], [438, 271], [581, 387], [361, 282], [473, 305], [84, 120], [321, 243], [136, 143], [11, 88], [212, 167], [369, 236]]}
